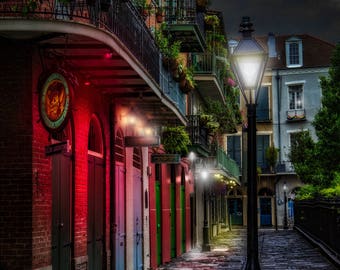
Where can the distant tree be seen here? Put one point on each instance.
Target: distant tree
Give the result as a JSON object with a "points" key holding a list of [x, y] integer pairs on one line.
{"points": [[327, 121], [303, 155]]}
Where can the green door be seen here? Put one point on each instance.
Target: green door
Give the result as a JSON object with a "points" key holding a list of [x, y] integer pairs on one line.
{"points": [[235, 211], [159, 222]]}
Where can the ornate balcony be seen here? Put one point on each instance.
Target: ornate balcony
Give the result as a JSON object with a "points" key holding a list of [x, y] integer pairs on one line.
{"points": [[208, 74], [220, 163], [198, 136], [185, 24], [285, 167], [296, 115], [105, 43]]}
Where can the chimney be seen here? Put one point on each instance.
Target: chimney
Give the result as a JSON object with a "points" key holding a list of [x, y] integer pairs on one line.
{"points": [[271, 45]]}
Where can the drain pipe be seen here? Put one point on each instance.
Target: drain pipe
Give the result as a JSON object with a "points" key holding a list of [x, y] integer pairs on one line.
{"points": [[278, 86], [278, 99]]}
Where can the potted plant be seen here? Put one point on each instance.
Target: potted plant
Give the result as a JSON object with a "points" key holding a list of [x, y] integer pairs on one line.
{"points": [[211, 20], [175, 140], [159, 14], [271, 157], [187, 82], [208, 122], [144, 8], [170, 51]]}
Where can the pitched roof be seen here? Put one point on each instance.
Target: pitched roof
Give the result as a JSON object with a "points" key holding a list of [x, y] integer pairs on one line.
{"points": [[316, 52]]}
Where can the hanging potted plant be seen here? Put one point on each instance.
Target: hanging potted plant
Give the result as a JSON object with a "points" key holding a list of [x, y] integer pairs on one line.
{"points": [[170, 51], [143, 7], [187, 82], [175, 140]]}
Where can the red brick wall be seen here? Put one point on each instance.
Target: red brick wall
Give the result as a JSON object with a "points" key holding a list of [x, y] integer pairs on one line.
{"points": [[16, 157]]}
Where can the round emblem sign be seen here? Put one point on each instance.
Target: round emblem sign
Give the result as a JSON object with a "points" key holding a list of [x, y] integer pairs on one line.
{"points": [[54, 101]]}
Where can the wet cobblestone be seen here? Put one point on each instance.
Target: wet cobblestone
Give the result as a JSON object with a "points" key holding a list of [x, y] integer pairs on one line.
{"points": [[278, 250]]}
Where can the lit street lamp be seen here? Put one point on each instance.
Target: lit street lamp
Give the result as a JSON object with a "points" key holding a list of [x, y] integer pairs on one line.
{"points": [[285, 223], [249, 62]]}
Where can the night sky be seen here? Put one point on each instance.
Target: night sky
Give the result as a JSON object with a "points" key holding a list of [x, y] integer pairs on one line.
{"points": [[319, 18]]}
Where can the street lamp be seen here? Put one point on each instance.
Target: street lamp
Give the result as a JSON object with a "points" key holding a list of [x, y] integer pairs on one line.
{"points": [[249, 62], [206, 242], [285, 223]]}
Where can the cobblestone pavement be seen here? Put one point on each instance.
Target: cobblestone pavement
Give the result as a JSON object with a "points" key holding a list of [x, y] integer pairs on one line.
{"points": [[278, 250]]}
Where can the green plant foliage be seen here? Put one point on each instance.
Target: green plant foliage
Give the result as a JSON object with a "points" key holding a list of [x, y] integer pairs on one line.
{"points": [[168, 49], [175, 140], [306, 192], [334, 190], [327, 120], [303, 155], [271, 155], [224, 114]]}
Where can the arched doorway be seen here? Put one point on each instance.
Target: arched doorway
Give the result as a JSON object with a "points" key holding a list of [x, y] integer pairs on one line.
{"points": [[120, 193], [235, 206], [96, 196], [265, 197], [62, 176]]}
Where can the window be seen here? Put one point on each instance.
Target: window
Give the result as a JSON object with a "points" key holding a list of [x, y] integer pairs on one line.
{"points": [[294, 52], [295, 97], [262, 110], [234, 148], [262, 145]]}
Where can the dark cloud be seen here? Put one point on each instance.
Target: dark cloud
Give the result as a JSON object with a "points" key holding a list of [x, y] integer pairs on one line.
{"points": [[313, 17]]}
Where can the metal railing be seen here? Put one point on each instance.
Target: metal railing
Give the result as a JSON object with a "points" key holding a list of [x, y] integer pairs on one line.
{"points": [[198, 134], [171, 89], [285, 167], [296, 115], [208, 64], [320, 218], [227, 163], [184, 12], [121, 18]]}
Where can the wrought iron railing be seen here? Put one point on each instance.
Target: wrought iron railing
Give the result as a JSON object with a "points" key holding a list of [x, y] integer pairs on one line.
{"points": [[227, 163], [285, 167], [208, 64], [198, 133], [171, 89], [184, 12], [296, 115], [121, 18], [320, 218]]}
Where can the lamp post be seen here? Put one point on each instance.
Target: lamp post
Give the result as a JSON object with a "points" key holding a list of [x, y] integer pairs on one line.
{"points": [[206, 242], [285, 223], [249, 62]]}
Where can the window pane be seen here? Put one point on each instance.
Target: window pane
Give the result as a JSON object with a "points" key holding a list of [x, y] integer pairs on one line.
{"points": [[294, 53], [295, 97]]}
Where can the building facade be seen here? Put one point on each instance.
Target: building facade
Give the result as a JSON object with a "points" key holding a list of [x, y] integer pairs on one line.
{"points": [[289, 98], [84, 180]]}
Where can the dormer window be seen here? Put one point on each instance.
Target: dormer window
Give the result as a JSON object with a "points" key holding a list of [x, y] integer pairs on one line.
{"points": [[294, 53]]}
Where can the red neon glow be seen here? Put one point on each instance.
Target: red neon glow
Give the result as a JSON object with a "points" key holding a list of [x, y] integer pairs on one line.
{"points": [[108, 55], [87, 83]]}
